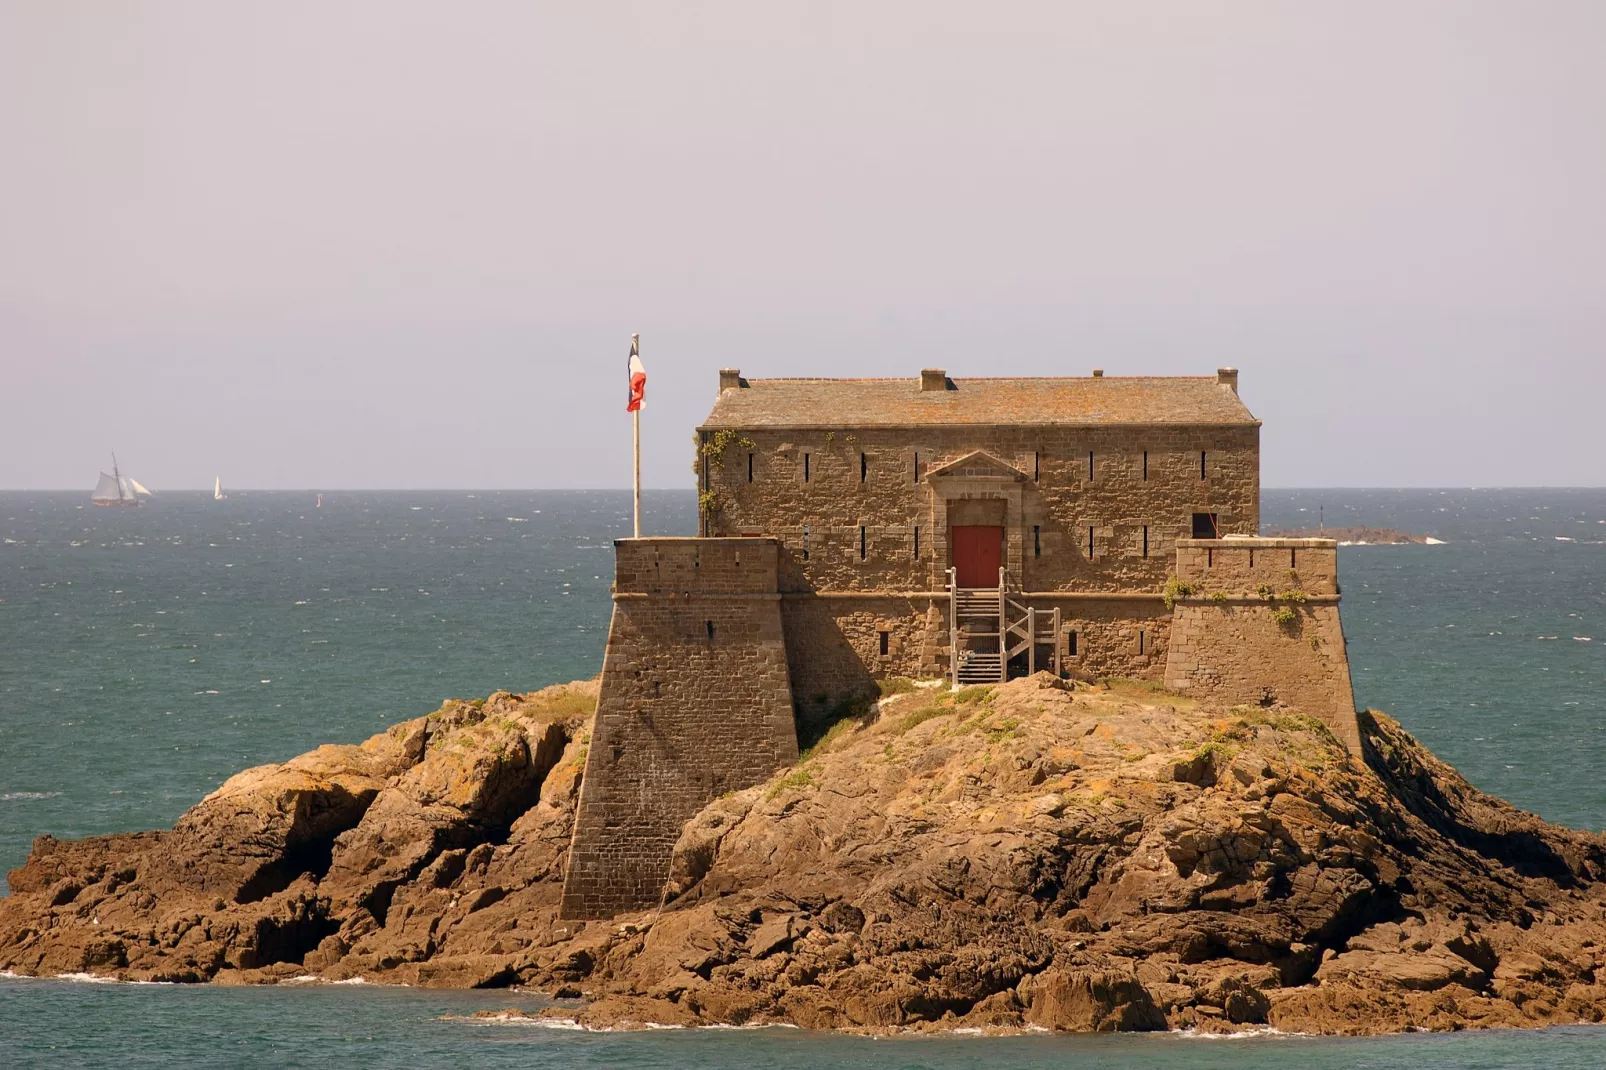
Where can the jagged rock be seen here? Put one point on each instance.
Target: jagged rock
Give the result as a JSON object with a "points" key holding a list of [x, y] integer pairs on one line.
{"points": [[1116, 859]]}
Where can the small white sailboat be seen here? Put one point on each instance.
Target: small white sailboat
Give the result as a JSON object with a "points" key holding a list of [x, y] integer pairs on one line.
{"points": [[320, 502], [117, 489], [217, 489]]}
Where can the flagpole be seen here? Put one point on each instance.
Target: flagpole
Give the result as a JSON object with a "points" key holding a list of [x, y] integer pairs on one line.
{"points": [[635, 437], [635, 434]]}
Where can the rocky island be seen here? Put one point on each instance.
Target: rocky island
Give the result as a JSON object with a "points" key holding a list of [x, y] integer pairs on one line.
{"points": [[1357, 536], [1033, 854]]}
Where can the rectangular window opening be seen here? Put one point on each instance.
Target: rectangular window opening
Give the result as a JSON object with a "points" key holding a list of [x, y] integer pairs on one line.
{"points": [[805, 468], [1145, 466], [805, 542], [1201, 464], [862, 541], [1140, 640], [1090, 465], [1090, 543], [1145, 540], [1293, 562], [750, 468], [1037, 540], [864, 467], [917, 542], [886, 643], [1205, 526], [1070, 644], [1037, 464], [917, 466]]}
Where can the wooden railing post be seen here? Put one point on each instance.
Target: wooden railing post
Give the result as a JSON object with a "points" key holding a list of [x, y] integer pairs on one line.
{"points": [[1031, 640], [1003, 632], [953, 627]]}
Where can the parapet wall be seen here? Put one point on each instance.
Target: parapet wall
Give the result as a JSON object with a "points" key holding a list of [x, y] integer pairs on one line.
{"points": [[695, 701], [1231, 642]]}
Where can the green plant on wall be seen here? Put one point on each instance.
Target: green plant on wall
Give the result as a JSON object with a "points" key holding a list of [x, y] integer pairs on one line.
{"points": [[717, 443], [1295, 596], [1284, 616], [1265, 591], [708, 504], [1175, 589]]}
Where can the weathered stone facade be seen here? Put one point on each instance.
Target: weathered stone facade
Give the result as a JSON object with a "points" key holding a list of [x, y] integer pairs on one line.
{"points": [[695, 701], [854, 530], [1260, 623]]}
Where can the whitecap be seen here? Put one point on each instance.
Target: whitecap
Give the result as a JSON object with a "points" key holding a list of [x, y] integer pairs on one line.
{"points": [[86, 979], [1583, 639], [1431, 541], [1565, 538], [10, 795]]}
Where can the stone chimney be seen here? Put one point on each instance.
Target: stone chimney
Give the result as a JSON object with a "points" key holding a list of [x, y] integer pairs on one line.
{"points": [[1228, 377], [1098, 373], [729, 379], [933, 379]]}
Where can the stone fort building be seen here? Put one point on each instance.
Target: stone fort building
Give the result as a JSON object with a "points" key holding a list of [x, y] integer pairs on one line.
{"points": [[969, 529]]}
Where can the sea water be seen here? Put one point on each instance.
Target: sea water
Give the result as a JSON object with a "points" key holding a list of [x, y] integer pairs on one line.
{"points": [[147, 654]]}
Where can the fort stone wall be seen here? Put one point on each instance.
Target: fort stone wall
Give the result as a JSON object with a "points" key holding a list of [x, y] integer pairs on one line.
{"points": [[1084, 508], [695, 701], [1230, 643]]}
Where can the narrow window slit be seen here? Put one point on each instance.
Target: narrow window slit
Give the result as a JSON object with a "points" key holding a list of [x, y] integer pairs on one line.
{"points": [[1145, 540], [1090, 543], [864, 467], [886, 643], [1037, 540], [917, 542], [805, 468], [805, 542], [862, 542], [1090, 465], [750, 468], [1145, 466], [710, 626]]}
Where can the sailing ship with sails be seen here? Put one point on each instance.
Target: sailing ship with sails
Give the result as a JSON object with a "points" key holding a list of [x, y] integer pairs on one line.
{"points": [[217, 489], [117, 489]]}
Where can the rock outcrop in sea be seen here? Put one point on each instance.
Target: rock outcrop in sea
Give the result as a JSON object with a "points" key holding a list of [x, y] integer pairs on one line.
{"points": [[1001, 858]]}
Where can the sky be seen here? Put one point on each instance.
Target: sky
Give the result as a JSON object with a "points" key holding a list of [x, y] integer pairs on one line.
{"points": [[395, 244]]}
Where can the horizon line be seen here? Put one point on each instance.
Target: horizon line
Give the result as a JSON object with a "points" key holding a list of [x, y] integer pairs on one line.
{"points": [[693, 490]]}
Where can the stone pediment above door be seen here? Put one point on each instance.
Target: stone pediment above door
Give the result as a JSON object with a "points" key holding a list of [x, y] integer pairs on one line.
{"points": [[978, 464]]}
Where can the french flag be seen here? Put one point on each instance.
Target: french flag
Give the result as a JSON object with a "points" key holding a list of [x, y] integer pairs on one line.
{"points": [[638, 377]]}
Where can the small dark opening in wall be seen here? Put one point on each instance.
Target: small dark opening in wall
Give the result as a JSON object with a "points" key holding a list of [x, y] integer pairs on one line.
{"points": [[1140, 640], [805, 542], [1201, 464], [1037, 540], [886, 643], [1145, 540], [805, 468], [1070, 644], [1090, 544], [750, 468], [1145, 466], [1205, 526], [862, 542], [1293, 561], [1089, 464], [710, 626], [1037, 464], [1210, 559], [917, 466], [917, 542], [864, 467]]}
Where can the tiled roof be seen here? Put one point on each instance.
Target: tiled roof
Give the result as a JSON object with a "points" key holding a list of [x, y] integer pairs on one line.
{"points": [[1083, 401]]}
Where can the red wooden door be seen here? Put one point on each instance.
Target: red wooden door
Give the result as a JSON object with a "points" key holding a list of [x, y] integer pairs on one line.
{"points": [[978, 553]]}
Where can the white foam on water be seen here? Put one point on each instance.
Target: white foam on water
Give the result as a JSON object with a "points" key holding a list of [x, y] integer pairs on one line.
{"points": [[10, 795], [87, 979]]}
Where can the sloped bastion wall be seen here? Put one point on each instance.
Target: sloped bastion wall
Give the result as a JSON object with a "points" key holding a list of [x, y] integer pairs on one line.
{"points": [[695, 701], [1256, 621]]}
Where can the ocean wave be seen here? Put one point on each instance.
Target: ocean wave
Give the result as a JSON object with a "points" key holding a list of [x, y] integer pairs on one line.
{"points": [[10, 795]]}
